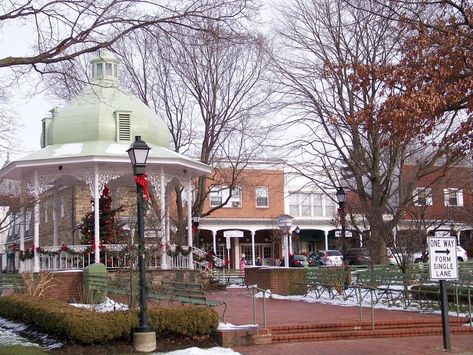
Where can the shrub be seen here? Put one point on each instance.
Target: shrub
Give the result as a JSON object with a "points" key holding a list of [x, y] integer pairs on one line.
{"points": [[83, 326]]}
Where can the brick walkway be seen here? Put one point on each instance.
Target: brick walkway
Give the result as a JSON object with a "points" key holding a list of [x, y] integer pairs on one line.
{"points": [[281, 312]]}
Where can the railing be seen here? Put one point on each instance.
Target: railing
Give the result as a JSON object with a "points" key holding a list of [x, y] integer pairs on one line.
{"points": [[114, 256], [255, 289]]}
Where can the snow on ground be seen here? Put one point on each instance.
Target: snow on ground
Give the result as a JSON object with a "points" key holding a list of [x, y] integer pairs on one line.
{"points": [[11, 333], [9, 330], [198, 351]]}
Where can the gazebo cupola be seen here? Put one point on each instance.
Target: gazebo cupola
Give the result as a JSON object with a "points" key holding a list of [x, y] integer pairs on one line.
{"points": [[105, 66]]}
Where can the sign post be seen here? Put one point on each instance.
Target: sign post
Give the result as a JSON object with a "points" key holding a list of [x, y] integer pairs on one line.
{"points": [[443, 266]]}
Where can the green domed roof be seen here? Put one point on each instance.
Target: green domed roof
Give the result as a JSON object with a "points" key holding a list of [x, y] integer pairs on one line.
{"points": [[104, 112]]}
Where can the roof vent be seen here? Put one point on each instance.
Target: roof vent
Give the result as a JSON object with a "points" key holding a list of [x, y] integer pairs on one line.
{"points": [[123, 126]]}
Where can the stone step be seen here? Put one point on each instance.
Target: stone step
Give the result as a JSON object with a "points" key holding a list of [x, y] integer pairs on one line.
{"points": [[364, 325], [359, 334]]}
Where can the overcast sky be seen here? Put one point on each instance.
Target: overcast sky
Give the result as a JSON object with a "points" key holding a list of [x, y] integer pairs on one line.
{"points": [[31, 109]]}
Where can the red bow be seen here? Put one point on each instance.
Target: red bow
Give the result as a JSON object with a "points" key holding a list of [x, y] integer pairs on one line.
{"points": [[142, 180]]}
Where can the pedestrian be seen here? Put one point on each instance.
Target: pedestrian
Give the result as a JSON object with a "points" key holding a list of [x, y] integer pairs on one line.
{"points": [[242, 265], [258, 261]]}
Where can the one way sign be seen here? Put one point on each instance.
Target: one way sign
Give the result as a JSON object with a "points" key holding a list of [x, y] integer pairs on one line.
{"points": [[443, 258]]}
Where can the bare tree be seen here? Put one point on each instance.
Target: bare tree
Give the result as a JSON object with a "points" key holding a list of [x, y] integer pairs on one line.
{"points": [[209, 87], [328, 60], [64, 30]]}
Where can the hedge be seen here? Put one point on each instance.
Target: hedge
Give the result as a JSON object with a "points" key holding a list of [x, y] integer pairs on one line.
{"points": [[87, 327]]}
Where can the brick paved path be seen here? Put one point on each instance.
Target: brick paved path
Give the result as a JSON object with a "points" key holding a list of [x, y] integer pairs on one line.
{"points": [[279, 312]]}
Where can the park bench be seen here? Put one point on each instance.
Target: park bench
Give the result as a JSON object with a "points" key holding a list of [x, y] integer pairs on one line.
{"points": [[185, 293], [385, 284], [332, 281], [11, 283]]}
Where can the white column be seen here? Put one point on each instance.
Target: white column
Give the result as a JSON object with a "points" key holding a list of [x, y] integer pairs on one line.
{"points": [[96, 216], [214, 241], [162, 210], [22, 235], [36, 222], [285, 250], [55, 232], [326, 239], [189, 222], [253, 247], [290, 243]]}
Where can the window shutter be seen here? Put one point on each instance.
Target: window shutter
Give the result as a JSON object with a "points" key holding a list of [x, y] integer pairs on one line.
{"points": [[446, 197], [460, 197]]}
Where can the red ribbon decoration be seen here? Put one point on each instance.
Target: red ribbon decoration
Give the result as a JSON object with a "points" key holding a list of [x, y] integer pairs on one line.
{"points": [[142, 180]]}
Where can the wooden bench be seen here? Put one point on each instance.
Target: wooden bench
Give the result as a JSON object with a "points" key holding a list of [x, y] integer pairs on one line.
{"points": [[186, 293]]}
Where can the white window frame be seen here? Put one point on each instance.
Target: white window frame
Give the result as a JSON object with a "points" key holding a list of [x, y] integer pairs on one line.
{"points": [[221, 192], [458, 196], [262, 192], [312, 197], [427, 193]]}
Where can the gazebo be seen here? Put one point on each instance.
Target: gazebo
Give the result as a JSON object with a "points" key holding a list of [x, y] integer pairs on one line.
{"points": [[86, 143]]}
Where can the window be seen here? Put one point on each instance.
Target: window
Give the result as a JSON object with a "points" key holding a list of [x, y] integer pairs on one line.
{"points": [[108, 69], [99, 71], [261, 193], [294, 205], [62, 207], [423, 196], [45, 212], [235, 200], [453, 197], [310, 205], [215, 196], [330, 207], [318, 210], [219, 193]]}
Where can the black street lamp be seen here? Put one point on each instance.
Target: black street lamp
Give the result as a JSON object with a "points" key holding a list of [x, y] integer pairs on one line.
{"points": [[195, 226], [144, 337], [341, 198]]}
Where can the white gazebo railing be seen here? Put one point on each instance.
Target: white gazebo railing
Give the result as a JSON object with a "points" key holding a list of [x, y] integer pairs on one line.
{"points": [[117, 256], [76, 257]]}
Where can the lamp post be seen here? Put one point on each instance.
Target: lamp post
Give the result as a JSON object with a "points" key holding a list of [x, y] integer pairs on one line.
{"points": [[285, 224], [195, 226], [341, 198], [144, 338]]}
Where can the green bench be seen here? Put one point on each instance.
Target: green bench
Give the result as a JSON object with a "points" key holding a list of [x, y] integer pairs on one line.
{"points": [[331, 281], [385, 284], [186, 293], [11, 282]]}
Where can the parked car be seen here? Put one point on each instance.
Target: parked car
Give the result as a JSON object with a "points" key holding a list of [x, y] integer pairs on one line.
{"points": [[298, 261], [461, 255], [326, 258], [357, 256], [397, 256]]}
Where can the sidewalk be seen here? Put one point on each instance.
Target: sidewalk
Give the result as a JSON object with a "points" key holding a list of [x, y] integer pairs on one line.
{"points": [[279, 312]]}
